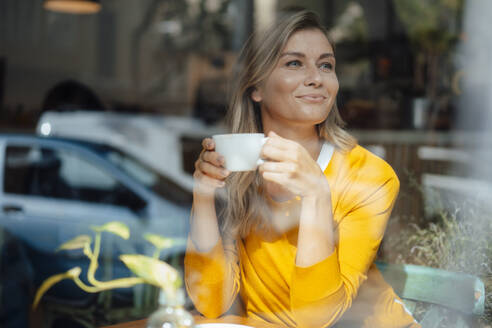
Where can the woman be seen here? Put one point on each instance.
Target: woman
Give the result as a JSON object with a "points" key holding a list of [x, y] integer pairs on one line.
{"points": [[297, 238]]}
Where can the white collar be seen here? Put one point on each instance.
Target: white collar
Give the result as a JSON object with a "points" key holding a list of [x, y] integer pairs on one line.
{"points": [[325, 155]]}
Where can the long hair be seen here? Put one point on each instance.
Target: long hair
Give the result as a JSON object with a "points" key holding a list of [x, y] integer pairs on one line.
{"points": [[244, 193]]}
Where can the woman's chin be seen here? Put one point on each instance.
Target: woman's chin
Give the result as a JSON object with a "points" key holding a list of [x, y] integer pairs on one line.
{"points": [[312, 118], [313, 113]]}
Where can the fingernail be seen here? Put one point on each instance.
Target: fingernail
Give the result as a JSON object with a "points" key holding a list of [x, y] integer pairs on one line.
{"points": [[221, 160], [225, 172]]}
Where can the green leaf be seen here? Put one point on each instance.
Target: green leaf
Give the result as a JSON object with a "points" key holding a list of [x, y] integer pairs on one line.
{"points": [[76, 243], [48, 283], [116, 227], [158, 241], [153, 271]]}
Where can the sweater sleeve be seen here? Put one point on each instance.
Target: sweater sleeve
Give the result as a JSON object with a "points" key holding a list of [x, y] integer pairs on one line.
{"points": [[321, 293], [212, 278]]}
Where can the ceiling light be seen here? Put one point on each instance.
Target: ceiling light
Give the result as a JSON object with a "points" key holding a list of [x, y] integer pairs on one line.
{"points": [[73, 6]]}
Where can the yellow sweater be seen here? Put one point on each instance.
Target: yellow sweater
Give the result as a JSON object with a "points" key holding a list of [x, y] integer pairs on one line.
{"points": [[345, 288]]}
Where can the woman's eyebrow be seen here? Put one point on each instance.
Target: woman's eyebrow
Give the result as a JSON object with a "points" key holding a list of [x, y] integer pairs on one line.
{"points": [[327, 55], [300, 54], [293, 53]]}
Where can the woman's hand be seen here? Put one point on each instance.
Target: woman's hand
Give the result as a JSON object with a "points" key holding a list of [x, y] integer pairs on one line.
{"points": [[209, 170], [289, 164]]}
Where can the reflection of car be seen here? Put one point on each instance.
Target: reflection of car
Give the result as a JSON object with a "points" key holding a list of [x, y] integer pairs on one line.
{"points": [[156, 140], [54, 189]]}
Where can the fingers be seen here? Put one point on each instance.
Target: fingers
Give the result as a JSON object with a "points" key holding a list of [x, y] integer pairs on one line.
{"points": [[286, 144], [213, 158], [279, 178], [282, 173], [211, 170], [271, 151], [279, 149], [208, 144], [288, 163], [207, 181], [279, 172], [279, 142], [288, 168], [209, 154]]}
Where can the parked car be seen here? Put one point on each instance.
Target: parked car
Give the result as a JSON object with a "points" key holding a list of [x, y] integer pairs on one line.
{"points": [[168, 144], [53, 189]]}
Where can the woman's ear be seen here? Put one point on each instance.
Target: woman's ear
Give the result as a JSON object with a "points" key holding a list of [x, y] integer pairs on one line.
{"points": [[256, 95]]}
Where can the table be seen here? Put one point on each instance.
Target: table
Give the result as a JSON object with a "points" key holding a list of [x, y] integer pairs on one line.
{"points": [[199, 319]]}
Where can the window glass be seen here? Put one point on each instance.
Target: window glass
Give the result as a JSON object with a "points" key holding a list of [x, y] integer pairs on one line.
{"points": [[17, 170], [81, 174], [146, 176], [62, 174]]}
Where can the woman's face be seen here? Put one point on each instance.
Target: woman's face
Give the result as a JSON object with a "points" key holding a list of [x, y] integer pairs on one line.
{"points": [[303, 86]]}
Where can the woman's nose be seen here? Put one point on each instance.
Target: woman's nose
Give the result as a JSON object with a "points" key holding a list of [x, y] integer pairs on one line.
{"points": [[313, 76]]}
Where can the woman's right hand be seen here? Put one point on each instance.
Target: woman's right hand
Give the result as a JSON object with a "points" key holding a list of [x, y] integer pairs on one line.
{"points": [[210, 172]]}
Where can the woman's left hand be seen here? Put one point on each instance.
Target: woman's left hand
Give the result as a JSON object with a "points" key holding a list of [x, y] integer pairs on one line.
{"points": [[289, 164]]}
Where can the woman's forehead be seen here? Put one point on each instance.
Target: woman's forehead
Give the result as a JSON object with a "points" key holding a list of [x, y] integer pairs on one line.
{"points": [[307, 39]]}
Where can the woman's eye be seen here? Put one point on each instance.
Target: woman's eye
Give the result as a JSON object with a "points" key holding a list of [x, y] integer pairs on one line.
{"points": [[327, 66], [293, 63]]}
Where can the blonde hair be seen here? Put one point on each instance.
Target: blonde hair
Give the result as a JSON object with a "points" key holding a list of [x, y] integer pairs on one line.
{"points": [[244, 193]]}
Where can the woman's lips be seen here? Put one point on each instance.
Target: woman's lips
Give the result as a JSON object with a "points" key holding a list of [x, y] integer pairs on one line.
{"points": [[312, 98]]}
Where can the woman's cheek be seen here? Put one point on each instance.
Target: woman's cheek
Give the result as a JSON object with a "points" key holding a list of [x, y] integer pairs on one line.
{"points": [[285, 81], [333, 84]]}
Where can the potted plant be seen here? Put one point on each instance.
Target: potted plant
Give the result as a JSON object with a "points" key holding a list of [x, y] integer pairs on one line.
{"points": [[433, 28], [147, 269]]}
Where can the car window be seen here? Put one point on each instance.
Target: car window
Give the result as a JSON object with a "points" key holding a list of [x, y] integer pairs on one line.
{"points": [[147, 176], [80, 174], [62, 174]]}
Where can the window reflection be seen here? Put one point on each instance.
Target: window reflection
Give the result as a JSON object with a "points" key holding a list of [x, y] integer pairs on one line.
{"points": [[59, 174]]}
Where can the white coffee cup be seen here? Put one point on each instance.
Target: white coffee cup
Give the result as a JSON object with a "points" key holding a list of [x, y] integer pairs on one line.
{"points": [[241, 151]]}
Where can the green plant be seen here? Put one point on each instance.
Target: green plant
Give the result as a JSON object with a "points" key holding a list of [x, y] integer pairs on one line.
{"points": [[149, 270], [431, 25], [433, 28], [455, 237]]}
